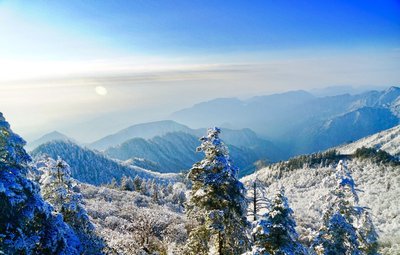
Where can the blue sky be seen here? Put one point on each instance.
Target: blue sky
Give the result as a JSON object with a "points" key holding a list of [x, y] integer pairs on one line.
{"points": [[198, 27], [142, 56]]}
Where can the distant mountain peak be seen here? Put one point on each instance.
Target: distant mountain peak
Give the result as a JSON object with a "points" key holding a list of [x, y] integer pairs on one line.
{"points": [[144, 130], [52, 136], [392, 89]]}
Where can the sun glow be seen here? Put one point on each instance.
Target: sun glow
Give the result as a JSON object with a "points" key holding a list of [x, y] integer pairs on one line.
{"points": [[100, 90]]}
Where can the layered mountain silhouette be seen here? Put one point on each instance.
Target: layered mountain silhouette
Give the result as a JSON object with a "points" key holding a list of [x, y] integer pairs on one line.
{"points": [[299, 122]]}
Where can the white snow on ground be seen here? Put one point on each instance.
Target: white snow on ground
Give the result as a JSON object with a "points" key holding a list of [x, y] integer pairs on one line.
{"points": [[308, 189], [388, 140]]}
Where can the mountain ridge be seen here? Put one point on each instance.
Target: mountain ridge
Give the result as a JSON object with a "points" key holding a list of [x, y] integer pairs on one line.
{"points": [[297, 118], [93, 167]]}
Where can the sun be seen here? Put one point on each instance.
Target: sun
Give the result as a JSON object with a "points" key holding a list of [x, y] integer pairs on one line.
{"points": [[100, 90]]}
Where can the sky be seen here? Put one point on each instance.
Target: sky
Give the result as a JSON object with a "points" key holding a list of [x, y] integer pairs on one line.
{"points": [[89, 68]]}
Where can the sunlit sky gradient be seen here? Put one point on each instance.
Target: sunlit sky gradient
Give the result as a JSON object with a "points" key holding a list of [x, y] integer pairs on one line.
{"points": [[155, 57]]}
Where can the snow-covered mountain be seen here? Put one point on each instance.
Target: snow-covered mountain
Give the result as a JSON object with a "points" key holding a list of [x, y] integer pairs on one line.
{"points": [[309, 179], [52, 136], [167, 146], [93, 167], [176, 152], [299, 122], [387, 140]]}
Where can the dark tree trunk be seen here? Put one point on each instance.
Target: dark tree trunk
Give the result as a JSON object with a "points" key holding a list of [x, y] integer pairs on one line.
{"points": [[220, 243], [255, 201]]}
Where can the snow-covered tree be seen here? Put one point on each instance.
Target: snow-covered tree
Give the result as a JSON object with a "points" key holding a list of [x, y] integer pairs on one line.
{"points": [[61, 191], [274, 232], [367, 236], [155, 192], [217, 202], [257, 198], [27, 223], [137, 183], [127, 183], [339, 234], [113, 184]]}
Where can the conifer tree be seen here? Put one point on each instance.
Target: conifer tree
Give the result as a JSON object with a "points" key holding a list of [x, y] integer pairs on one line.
{"points": [[61, 191], [27, 223], [127, 183], [155, 192], [217, 202], [339, 233], [367, 236], [274, 232], [137, 183], [113, 184]]}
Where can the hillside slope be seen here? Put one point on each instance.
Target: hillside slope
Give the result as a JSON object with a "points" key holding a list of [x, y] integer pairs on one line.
{"points": [[387, 140], [309, 179], [307, 189], [176, 152], [93, 167]]}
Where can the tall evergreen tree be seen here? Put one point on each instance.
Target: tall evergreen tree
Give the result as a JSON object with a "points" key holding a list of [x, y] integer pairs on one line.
{"points": [[137, 183], [62, 192], [340, 233], [27, 223], [217, 202], [155, 192], [127, 183], [275, 232], [367, 236]]}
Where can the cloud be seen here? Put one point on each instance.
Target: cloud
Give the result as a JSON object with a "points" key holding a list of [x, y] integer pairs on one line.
{"points": [[50, 95], [122, 78]]}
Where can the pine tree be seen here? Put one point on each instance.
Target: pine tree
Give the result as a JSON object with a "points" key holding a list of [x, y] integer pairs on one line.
{"points": [[27, 223], [338, 235], [61, 191], [274, 232], [137, 183], [155, 192], [127, 183], [367, 236], [113, 184], [217, 202]]}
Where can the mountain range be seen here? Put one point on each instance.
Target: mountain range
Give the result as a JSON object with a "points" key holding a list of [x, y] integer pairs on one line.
{"points": [[270, 128], [299, 122], [173, 147], [176, 152]]}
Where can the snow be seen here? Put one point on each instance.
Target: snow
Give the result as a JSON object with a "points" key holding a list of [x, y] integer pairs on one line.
{"points": [[308, 188], [388, 140], [130, 222]]}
